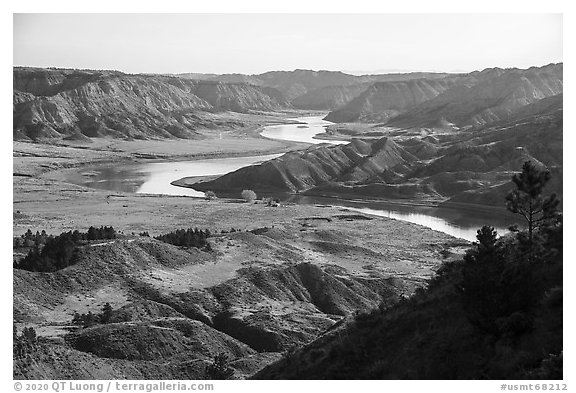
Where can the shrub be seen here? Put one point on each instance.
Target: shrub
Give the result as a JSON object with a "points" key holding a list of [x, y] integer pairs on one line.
{"points": [[248, 195], [219, 368], [29, 334], [24, 344], [106, 313]]}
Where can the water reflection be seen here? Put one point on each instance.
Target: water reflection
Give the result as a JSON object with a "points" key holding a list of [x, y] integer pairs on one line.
{"points": [[461, 223], [467, 232], [155, 178], [299, 132]]}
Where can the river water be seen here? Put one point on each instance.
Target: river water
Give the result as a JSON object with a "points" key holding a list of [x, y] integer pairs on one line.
{"points": [[155, 178], [301, 132]]}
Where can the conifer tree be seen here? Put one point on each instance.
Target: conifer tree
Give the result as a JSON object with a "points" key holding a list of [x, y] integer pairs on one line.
{"points": [[527, 199]]}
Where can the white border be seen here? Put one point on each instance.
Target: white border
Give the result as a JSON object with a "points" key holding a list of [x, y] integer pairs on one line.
{"points": [[288, 6]]}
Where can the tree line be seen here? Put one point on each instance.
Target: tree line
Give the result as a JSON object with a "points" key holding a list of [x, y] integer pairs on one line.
{"points": [[187, 238]]}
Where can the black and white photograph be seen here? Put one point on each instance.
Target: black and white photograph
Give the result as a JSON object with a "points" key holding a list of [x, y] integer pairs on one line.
{"points": [[286, 196]]}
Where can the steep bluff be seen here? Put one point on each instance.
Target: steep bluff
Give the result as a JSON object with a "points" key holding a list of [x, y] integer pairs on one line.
{"points": [[53, 103], [330, 97], [479, 97], [494, 98], [384, 100]]}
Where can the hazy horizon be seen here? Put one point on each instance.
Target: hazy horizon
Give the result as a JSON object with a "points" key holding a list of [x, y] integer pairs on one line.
{"points": [[258, 43], [349, 72]]}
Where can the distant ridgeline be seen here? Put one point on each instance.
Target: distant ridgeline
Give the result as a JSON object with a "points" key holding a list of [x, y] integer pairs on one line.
{"points": [[48, 253], [81, 104]]}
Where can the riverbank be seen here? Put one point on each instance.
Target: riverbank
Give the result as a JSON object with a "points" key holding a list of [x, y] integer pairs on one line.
{"points": [[53, 161], [154, 167], [45, 198], [42, 201]]}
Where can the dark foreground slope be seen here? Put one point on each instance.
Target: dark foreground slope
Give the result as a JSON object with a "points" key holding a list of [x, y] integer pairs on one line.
{"points": [[471, 166], [487, 318]]}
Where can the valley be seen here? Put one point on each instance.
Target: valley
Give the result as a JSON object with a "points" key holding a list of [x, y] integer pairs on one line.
{"points": [[279, 281], [226, 293]]}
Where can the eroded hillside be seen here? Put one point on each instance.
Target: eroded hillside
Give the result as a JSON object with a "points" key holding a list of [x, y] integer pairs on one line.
{"points": [[52, 103], [385, 100], [427, 165], [454, 101]]}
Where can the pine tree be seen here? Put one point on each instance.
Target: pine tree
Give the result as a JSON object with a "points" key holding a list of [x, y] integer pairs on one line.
{"points": [[527, 200]]}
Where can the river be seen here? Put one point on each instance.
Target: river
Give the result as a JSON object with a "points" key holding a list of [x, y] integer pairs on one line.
{"points": [[301, 132], [155, 178]]}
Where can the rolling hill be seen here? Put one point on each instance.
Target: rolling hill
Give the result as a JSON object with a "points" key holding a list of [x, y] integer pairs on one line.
{"points": [[256, 294]]}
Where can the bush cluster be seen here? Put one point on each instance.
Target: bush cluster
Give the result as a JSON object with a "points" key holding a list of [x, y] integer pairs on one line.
{"points": [[24, 344], [90, 319], [187, 238]]}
